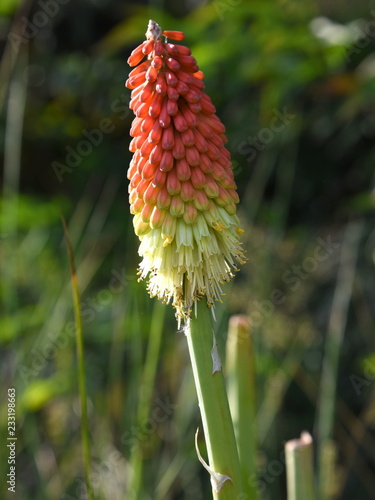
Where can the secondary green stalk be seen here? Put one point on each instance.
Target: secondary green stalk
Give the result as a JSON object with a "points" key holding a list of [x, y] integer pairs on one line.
{"points": [[81, 366], [146, 391], [299, 468], [240, 377], [335, 336], [213, 404]]}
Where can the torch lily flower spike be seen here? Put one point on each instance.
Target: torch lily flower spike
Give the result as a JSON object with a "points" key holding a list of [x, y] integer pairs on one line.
{"points": [[182, 190]]}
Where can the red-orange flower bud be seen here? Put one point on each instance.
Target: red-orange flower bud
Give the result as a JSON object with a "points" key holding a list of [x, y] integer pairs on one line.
{"points": [[182, 190]]}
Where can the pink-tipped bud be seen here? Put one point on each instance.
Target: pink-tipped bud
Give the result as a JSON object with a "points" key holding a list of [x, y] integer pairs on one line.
{"points": [[158, 49], [159, 179], [142, 186], [166, 162], [146, 149], [174, 35], [198, 179], [167, 140], [183, 170], [182, 88], [157, 218], [177, 206], [201, 200], [151, 74], [190, 213], [164, 117], [157, 62], [147, 124], [192, 156], [173, 93], [146, 92], [173, 183], [188, 137], [180, 123], [146, 212], [188, 192], [155, 133], [137, 55], [147, 47], [139, 69], [174, 49], [205, 164], [155, 106], [199, 141], [161, 85], [172, 64], [155, 155], [151, 194], [148, 171], [136, 80], [172, 107], [164, 199], [179, 148], [189, 116], [171, 78], [210, 187], [136, 127]]}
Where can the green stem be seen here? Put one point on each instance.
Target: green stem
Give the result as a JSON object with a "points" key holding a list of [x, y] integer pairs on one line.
{"points": [[81, 366], [299, 468], [240, 377], [213, 404], [146, 391], [335, 336]]}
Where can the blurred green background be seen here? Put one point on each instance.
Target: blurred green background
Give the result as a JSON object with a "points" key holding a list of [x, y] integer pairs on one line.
{"points": [[294, 83]]}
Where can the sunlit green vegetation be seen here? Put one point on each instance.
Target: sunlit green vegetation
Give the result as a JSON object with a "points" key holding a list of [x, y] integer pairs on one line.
{"points": [[293, 81]]}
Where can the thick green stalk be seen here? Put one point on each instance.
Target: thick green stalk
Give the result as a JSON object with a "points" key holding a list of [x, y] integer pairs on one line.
{"points": [[81, 366], [213, 404], [299, 468], [240, 377]]}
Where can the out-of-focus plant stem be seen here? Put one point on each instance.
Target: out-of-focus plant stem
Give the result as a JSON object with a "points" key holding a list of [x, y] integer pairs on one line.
{"points": [[146, 391], [240, 377], [334, 339], [81, 366], [299, 468]]}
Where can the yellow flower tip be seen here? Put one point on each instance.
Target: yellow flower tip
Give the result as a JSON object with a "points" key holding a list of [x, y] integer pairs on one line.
{"points": [[167, 240], [141, 228], [239, 231], [218, 226]]}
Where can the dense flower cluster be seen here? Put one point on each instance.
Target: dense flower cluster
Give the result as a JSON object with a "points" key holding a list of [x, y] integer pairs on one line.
{"points": [[182, 190]]}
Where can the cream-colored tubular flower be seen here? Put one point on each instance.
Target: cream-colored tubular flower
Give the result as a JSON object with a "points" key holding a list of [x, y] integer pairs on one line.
{"points": [[182, 191]]}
